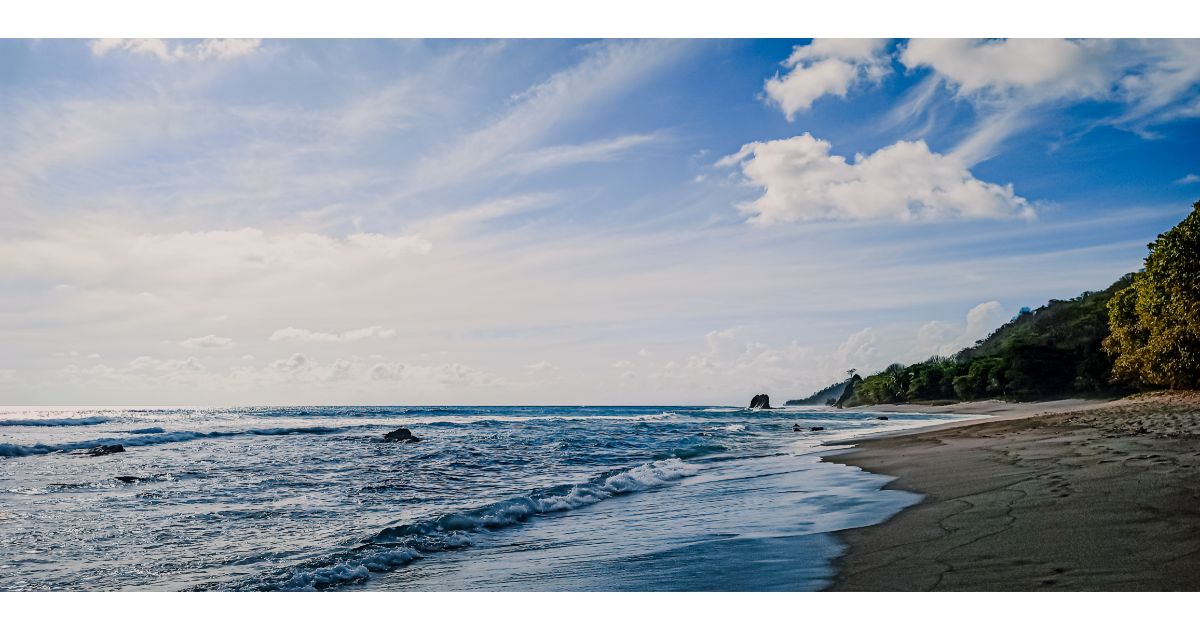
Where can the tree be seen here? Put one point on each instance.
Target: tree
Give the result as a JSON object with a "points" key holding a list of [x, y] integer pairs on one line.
{"points": [[1155, 322]]}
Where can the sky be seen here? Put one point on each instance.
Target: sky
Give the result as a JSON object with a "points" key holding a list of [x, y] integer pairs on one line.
{"points": [[230, 222]]}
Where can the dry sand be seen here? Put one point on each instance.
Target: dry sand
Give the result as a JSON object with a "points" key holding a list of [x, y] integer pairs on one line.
{"points": [[1070, 495]]}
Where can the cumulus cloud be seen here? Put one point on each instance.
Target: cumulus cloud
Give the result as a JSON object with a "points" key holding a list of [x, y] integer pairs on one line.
{"points": [[1054, 67], [826, 66], [207, 341], [303, 334], [171, 51], [946, 338], [386, 372], [803, 181], [145, 369]]}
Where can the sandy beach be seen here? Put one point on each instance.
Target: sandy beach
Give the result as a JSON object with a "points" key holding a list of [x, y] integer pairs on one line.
{"points": [[1068, 495]]}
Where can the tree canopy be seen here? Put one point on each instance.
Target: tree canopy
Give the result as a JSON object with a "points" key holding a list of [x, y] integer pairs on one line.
{"points": [[1155, 322]]}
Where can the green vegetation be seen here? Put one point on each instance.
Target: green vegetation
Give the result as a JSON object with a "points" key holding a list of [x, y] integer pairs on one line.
{"points": [[1156, 320], [1142, 332], [1055, 350]]}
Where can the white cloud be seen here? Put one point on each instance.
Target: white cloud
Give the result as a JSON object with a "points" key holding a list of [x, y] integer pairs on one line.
{"points": [[207, 341], [294, 364], [548, 158], [143, 369], [386, 372], [827, 66], [1190, 178], [802, 181], [991, 68], [608, 71], [540, 366], [171, 51], [303, 334], [945, 339], [1152, 80], [102, 252]]}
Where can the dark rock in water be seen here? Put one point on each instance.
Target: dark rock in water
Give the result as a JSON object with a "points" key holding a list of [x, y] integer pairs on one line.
{"points": [[817, 429], [761, 401], [128, 479], [881, 417], [795, 427], [107, 449], [401, 435]]}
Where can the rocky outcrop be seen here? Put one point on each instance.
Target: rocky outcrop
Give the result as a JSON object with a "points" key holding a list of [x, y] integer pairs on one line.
{"points": [[107, 449], [761, 401], [401, 435], [848, 393]]}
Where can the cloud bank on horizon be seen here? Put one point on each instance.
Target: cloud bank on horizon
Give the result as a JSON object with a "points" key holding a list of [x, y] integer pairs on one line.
{"points": [[422, 222]]}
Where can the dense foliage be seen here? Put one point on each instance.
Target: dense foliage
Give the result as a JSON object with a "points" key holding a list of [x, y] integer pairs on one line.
{"points": [[1055, 350], [1156, 320], [1141, 332]]}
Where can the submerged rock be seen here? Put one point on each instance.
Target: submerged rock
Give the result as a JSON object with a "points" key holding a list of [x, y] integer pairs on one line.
{"points": [[107, 449], [761, 401], [881, 417], [401, 435], [817, 429]]}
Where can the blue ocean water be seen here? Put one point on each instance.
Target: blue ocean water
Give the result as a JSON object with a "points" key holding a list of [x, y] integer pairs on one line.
{"points": [[491, 498]]}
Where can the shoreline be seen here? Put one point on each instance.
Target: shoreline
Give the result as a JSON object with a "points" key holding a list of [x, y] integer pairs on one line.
{"points": [[1064, 495]]}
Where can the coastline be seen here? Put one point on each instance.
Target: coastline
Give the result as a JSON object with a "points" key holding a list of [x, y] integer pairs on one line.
{"points": [[1063, 495]]}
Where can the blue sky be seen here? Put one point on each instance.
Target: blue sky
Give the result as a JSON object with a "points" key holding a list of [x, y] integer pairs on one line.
{"points": [[419, 222]]}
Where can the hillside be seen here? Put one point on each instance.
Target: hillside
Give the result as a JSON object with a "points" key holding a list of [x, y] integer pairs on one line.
{"points": [[1048, 352], [823, 396]]}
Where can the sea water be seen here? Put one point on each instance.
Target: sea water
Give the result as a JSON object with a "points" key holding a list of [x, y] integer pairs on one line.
{"points": [[490, 498]]}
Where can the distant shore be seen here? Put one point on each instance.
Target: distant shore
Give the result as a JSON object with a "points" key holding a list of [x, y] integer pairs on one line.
{"points": [[1062, 495]]}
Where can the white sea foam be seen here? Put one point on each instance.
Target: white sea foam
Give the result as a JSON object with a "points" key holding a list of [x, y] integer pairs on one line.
{"points": [[349, 571]]}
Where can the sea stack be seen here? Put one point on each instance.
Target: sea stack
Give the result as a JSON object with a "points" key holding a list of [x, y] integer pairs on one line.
{"points": [[401, 435], [761, 401]]}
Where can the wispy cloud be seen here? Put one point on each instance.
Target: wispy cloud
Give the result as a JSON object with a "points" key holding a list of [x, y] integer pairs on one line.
{"points": [[172, 51], [608, 71], [303, 334], [1190, 178]]}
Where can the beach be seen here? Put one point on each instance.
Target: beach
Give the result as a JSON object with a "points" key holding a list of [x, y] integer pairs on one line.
{"points": [[1064, 496]]}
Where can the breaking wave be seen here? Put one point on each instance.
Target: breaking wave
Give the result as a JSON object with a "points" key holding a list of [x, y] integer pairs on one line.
{"points": [[395, 547]]}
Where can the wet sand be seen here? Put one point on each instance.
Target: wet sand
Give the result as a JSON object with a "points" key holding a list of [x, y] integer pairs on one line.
{"points": [[1068, 496]]}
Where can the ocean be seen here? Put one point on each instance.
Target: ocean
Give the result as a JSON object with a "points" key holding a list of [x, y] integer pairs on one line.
{"points": [[490, 498]]}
